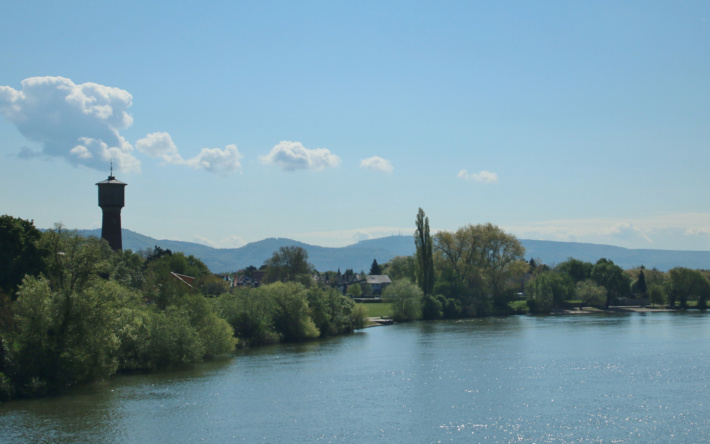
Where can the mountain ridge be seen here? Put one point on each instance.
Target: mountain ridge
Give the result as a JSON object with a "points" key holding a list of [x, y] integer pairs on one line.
{"points": [[359, 256]]}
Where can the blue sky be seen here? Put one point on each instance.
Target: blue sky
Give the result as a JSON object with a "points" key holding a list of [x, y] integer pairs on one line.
{"points": [[331, 122]]}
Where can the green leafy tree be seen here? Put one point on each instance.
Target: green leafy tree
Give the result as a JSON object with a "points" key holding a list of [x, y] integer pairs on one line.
{"points": [[687, 284], [250, 313], [333, 313], [289, 264], [576, 269], [406, 299], [590, 293], [612, 278], [477, 264], [20, 253], [355, 290], [424, 254], [657, 295], [547, 290], [401, 267], [291, 314]]}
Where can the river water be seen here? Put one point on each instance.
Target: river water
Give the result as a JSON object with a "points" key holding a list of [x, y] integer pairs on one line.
{"points": [[582, 378]]}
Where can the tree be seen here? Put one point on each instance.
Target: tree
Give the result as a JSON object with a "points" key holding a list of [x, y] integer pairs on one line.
{"points": [[639, 287], [20, 253], [476, 265], [612, 278], [590, 293], [656, 295], [406, 300], [424, 254], [289, 264], [355, 290], [375, 268], [540, 293], [577, 270], [400, 267], [549, 289], [687, 284]]}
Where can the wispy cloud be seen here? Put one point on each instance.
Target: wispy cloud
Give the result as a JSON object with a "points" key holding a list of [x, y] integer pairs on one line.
{"points": [[227, 242], [683, 231], [291, 156], [486, 177], [377, 163]]}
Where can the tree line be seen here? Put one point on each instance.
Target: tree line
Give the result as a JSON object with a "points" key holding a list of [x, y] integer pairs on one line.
{"points": [[72, 310], [480, 270]]}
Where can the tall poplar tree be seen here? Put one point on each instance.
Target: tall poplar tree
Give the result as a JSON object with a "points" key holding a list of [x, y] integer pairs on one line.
{"points": [[424, 255]]}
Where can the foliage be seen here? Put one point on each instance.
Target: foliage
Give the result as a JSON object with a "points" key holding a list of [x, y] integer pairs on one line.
{"points": [[477, 265], [424, 257], [333, 313], [355, 290], [289, 264], [612, 278], [577, 270], [249, 312], [657, 295], [590, 293], [639, 286], [400, 267], [432, 307], [406, 300], [687, 284], [375, 268], [20, 253], [547, 290]]}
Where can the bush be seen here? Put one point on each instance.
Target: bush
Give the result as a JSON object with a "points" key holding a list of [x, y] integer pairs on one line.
{"points": [[405, 298]]}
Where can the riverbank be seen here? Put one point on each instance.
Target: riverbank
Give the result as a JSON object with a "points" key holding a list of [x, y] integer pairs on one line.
{"points": [[614, 309]]}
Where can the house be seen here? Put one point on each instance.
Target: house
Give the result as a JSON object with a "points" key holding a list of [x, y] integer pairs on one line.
{"points": [[377, 282]]}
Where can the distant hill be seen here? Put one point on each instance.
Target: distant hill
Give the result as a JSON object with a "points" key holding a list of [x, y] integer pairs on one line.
{"points": [[359, 256]]}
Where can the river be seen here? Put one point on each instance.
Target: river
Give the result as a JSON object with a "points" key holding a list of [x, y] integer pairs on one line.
{"points": [[583, 378]]}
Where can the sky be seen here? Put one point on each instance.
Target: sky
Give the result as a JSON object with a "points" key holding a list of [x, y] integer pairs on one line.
{"points": [[331, 122]]}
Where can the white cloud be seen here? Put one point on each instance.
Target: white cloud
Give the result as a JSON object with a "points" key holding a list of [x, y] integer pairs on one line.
{"points": [[486, 177], [160, 144], [682, 231], [217, 160], [79, 123], [378, 164], [227, 242], [291, 156]]}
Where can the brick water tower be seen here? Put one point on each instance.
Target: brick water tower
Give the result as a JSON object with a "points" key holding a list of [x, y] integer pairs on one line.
{"points": [[111, 200]]}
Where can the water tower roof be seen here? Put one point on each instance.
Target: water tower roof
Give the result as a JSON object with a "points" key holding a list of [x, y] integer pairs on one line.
{"points": [[111, 180]]}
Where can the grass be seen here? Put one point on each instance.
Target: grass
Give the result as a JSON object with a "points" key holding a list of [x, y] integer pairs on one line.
{"points": [[377, 309], [519, 305]]}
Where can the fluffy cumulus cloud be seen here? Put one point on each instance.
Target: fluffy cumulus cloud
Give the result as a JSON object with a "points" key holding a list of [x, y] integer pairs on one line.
{"points": [[81, 122], [486, 177], [292, 156], [160, 145], [214, 160], [77, 122], [377, 163]]}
